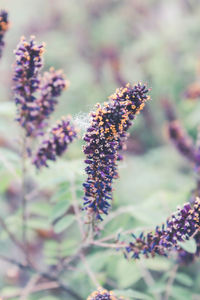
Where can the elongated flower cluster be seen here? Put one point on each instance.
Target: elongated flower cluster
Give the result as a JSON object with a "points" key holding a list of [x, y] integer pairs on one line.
{"points": [[186, 147], [35, 96], [179, 136], [26, 78], [56, 144], [52, 85], [102, 294], [185, 257], [104, 138], [4, 25], [182, 141], [198, 159], [181, 226]]}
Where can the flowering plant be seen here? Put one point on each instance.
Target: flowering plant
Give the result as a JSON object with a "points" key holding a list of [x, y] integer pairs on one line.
{"points": [[89, 200]]}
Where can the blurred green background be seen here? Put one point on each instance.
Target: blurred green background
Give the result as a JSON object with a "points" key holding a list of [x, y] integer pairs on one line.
{"points": [[98, 44]]}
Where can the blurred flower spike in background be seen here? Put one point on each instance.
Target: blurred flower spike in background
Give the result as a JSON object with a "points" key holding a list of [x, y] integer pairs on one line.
{"points": [[4, 25]]}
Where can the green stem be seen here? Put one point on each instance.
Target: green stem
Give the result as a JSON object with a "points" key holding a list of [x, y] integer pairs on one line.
{"points": [[23, 195]]}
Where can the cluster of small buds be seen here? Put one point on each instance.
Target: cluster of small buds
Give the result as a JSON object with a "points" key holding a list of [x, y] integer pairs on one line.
{"points": [[35, 95], [56, 144], [185, 257], [26, 79], [4, 25], [181, 226], [52, 85], [102, 294], [104, 138], [132, 101], [181, 140]]}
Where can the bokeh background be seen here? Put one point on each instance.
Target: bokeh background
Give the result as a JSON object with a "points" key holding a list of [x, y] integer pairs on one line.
{"points": [[100, 44]]}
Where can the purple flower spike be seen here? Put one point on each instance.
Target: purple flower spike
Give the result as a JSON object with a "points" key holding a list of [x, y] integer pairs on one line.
{"points": [[104, 138], [181, 140], [4, 25], [197, 156], [26, 82], [181, 226], [56, 144], [52, 85]]}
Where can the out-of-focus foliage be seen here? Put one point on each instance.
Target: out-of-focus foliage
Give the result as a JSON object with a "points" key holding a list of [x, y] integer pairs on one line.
{"points": [[153, 41]]}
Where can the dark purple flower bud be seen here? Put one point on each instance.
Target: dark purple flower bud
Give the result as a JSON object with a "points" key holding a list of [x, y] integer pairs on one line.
{"points": [[4, 25], [56, 144]]}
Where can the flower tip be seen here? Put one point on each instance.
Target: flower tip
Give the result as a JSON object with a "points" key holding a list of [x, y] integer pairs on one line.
{"points": [[67, 84], [22, 39]]}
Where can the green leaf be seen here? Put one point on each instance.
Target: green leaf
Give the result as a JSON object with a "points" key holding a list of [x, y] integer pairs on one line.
{"points": [[64, 223], [40, 208], [184, 279], [127, 273], [7, 109], [8, 290], [99, 260], [38, 223], [159, 264], [180, 293], [189, 245], [68, 247], [157, 287], [59, 209], [61, 194], [49, 298], [133, 294]]}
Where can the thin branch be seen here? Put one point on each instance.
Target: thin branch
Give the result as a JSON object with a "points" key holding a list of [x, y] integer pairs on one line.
{"points": [[89, 271], [46, 275], [38, 288], [24, 200], [10, 234], [147, 277], [107, 245], [76, 209], [29, 287], [118, 212], [9, 167], [170, 282], [12, 261]]}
